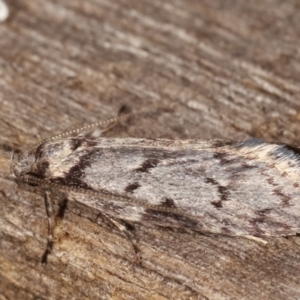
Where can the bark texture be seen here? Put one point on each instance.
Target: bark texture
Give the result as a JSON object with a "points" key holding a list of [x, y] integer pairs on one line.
{"points": [[233, 69]]}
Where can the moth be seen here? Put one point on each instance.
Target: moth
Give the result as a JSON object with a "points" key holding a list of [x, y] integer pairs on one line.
{"points": [[211, 186]]}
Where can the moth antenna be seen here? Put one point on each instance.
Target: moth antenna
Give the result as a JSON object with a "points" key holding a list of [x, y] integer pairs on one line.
{"points": [[97, 124]]}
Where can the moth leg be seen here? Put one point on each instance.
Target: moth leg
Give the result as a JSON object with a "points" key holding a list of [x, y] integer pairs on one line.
{"points": [[49, 212], [129, 236]]}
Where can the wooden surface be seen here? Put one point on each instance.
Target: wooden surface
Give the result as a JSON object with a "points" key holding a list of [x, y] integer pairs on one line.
{"points": [[233, 69]]}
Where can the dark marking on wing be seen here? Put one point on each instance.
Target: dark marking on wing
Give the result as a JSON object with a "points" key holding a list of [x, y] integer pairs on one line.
{"points": [[222, 157], [211, 180], [285, 199], [76, 174], [39, 151], [132, 187], [217, 204], [168, 202], [75, 177], [147, 165], [222, 190]]}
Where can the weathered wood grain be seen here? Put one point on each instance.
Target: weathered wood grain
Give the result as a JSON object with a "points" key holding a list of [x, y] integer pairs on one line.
{"points": [[233, 69]]}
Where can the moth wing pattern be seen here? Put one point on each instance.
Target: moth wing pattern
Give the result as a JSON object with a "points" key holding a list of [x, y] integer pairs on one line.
{"points": [[233, 188]]}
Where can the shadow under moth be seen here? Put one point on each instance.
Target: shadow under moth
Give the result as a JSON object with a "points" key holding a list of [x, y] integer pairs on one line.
{"points": [[248, 188]]}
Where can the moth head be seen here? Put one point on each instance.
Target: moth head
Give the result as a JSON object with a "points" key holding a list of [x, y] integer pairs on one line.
{"points": [[22, 164], [47, 160]]}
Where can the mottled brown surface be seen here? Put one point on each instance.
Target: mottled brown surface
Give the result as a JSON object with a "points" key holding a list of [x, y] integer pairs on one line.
{"points": [[233, 69]]}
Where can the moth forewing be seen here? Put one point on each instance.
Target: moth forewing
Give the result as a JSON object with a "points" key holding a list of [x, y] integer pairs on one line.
{"points": [[234, 188]]}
